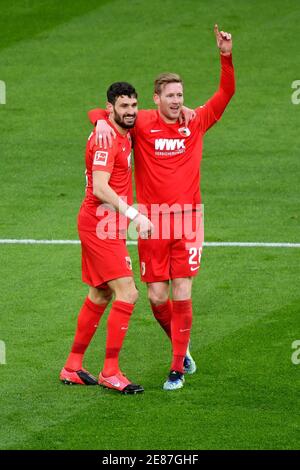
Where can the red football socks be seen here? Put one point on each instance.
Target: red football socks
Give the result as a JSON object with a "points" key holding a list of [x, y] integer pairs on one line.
{"points": [[181, 324], [163, 314], [87, 323], [117, 326]]}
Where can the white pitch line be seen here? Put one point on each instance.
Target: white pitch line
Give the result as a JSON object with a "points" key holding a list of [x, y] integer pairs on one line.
{"points": [[13, 241], [254, 244]]}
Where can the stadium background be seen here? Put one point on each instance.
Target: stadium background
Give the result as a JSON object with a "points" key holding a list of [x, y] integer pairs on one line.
{"points": [[57, 59]]}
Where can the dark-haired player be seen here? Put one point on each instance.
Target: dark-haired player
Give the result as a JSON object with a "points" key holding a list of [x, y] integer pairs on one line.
{"points": [[106, 265]]}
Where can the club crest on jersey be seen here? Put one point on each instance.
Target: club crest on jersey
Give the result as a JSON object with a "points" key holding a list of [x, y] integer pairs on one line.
{"points": [[128, 263], [184, 131], [100, 158]]}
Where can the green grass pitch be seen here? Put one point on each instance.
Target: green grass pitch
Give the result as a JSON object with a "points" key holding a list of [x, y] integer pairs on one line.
{"points": [[57, 60]]}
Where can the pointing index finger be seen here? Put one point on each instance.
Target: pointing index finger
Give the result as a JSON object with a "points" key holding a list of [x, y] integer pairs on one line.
{"points": [[216, 29]]}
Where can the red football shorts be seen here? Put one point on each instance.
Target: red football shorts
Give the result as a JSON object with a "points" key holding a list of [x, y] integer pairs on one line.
{"points": [[102, 260], [174, 250]]}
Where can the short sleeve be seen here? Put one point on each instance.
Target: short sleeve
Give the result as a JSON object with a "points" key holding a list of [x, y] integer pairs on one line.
{"points": [[103, 160]]}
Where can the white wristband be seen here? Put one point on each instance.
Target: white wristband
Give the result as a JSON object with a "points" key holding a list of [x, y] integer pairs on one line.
{"points": [[131, 213]]}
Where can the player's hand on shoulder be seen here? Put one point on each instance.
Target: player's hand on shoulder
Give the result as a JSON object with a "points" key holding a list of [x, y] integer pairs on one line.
{"points": [[224, 40], [104, 134], [144, 226], [186, 115]]}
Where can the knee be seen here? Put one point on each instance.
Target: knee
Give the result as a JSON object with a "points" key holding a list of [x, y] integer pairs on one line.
{"points": [[127, 292], [100, 296], [181, 291], [132, 295], [157, 297]]}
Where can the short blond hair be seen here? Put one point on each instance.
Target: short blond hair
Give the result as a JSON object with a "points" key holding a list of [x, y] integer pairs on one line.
{"points": [[163, 79]]}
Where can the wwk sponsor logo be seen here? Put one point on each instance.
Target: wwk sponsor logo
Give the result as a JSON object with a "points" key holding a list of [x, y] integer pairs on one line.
{"points": [[169, 144], [169, 147]]}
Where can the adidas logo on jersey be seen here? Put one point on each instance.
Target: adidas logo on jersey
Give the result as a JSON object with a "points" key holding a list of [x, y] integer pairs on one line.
{"points": [[169, 144]]}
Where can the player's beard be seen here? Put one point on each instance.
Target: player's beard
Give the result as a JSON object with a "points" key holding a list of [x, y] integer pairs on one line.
{"points": [[120, 120]]}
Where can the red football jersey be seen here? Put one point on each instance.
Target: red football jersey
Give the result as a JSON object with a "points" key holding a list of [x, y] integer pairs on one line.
{"points": [[117, 162], [168, 156]]}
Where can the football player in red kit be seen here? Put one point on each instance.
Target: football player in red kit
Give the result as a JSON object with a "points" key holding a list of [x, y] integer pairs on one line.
{"points": [[167, 176], [106, 265]]}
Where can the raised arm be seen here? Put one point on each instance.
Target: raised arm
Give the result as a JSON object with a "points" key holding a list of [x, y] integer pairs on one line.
{"points": [[215, 106]]}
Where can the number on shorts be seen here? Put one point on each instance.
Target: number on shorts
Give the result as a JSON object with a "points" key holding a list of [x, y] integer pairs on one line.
{"points": [[194, 253]]}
